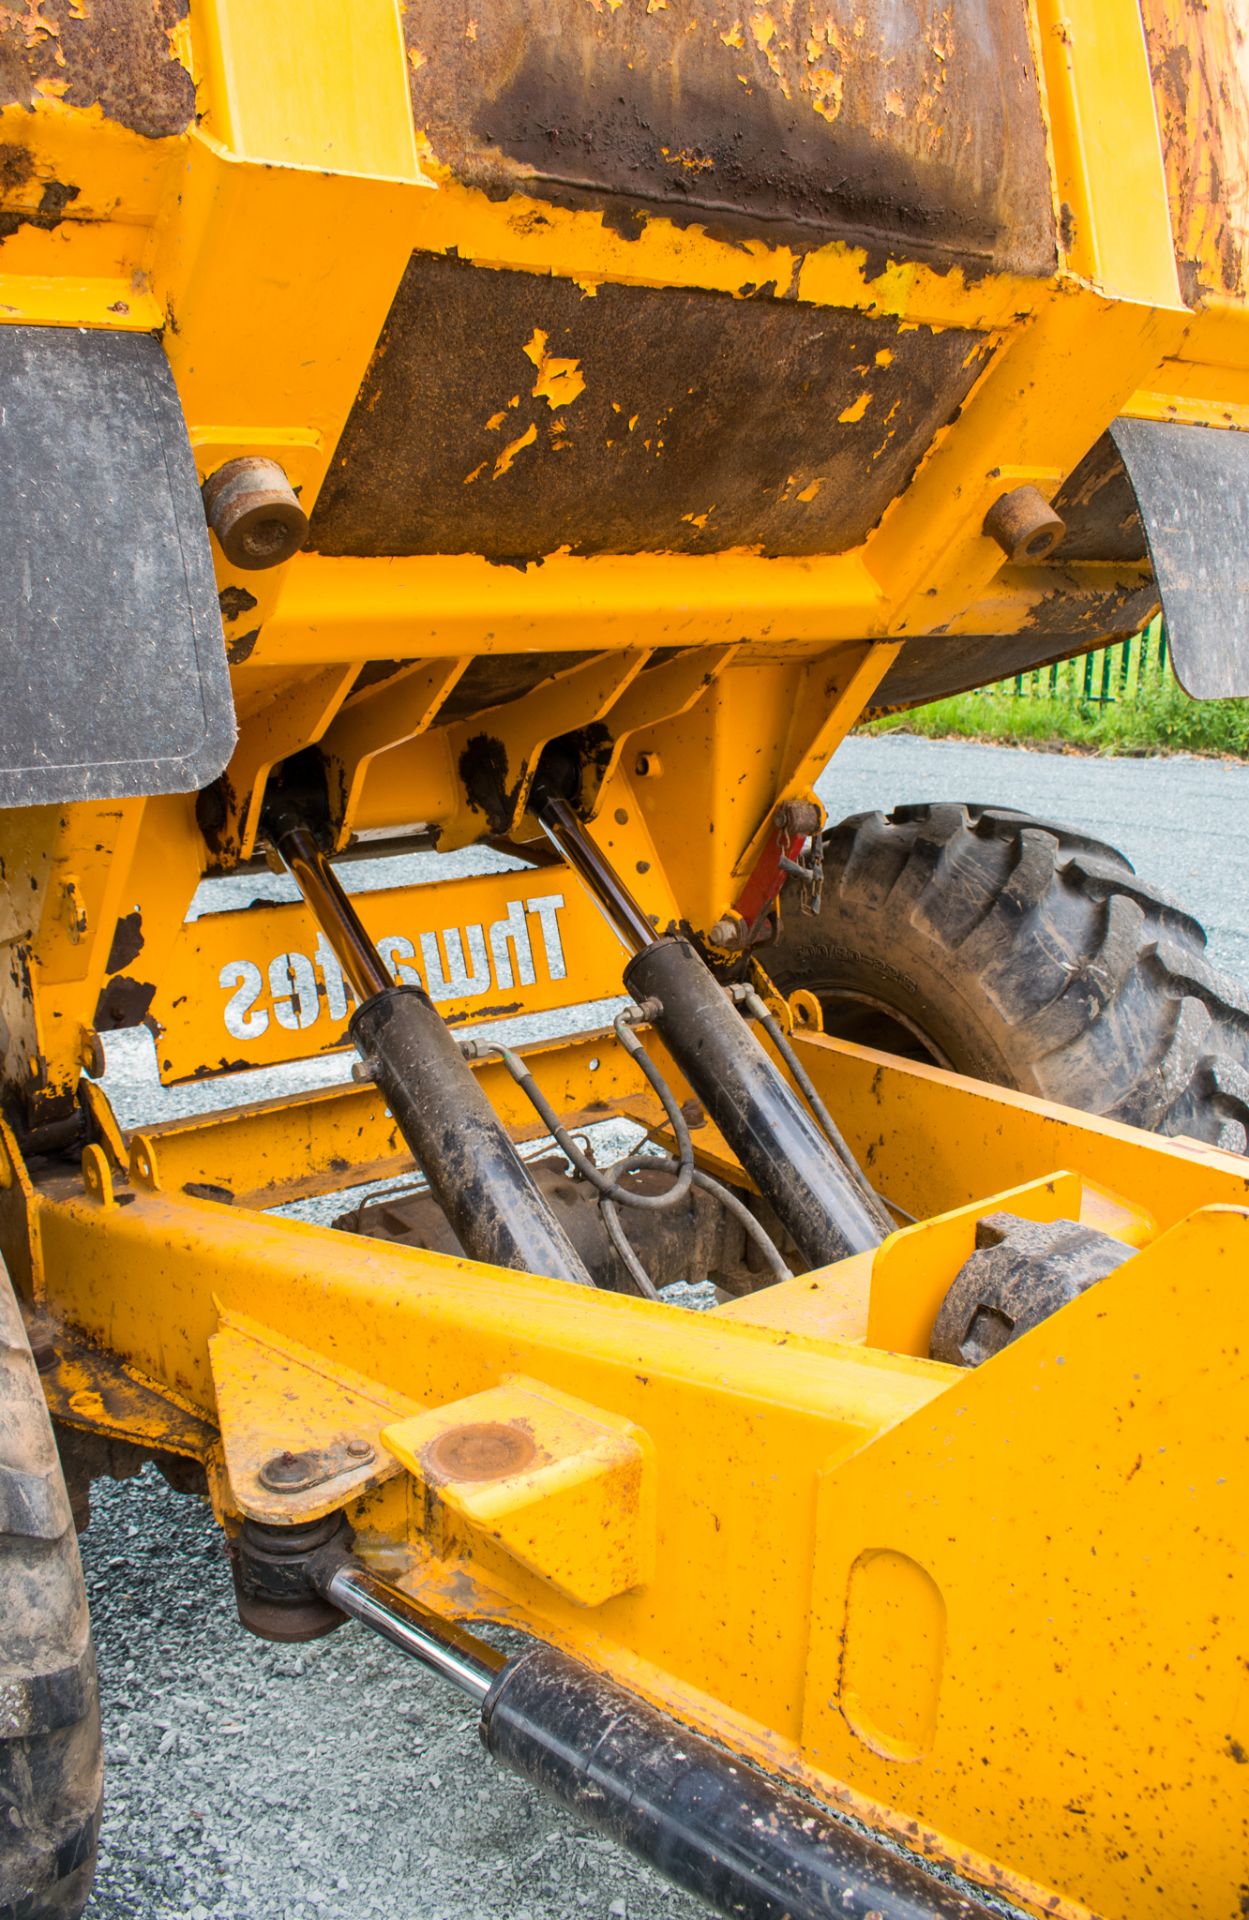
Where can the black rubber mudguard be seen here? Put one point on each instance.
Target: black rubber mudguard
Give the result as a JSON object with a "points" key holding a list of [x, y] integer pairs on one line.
{"points": [[1192, 489], [113, 677]]}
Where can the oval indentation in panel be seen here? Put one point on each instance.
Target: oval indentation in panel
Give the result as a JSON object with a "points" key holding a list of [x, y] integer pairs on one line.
{"points": [[893, 1654]]}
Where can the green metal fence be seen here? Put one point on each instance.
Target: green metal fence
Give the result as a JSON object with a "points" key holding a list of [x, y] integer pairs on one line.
{"points": [[1118, 673]]}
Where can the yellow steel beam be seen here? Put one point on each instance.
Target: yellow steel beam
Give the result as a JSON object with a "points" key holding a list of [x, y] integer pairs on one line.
{"points": [[385, 714], [291, 719]]}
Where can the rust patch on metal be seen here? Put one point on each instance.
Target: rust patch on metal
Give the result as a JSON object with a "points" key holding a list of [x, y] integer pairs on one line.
{"points": [[123, 1003], [113, 54], [1059, 627], [913, 130], [1199, 62], [1098, 508], [240, 649], [235, 602], [695, 422], [484, 1450], [485, 1013], [483, 772], [18, 182], [1098, 615], [205, 1190], [127, 942]]}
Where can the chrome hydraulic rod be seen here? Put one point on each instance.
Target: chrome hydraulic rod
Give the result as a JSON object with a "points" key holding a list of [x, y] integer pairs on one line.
{"points": [[342, 926], [819, 1197], [569, 837], [730, 1836], [445, 1648]]}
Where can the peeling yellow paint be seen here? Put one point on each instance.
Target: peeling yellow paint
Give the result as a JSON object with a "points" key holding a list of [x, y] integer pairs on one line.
{"points": [[34, 23], [687, 158], [559, 381], [495, 422], [699, 520], [734, 37], [416, 59], [855, 410], [885, 357], [476, 473], [808, 493], [763, 27], [514, 447], [828, 89], [633, 420]]}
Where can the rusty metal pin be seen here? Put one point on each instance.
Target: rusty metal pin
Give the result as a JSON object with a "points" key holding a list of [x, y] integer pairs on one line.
{"points": [[1024, 525], [251, 507], [288, 1472]]}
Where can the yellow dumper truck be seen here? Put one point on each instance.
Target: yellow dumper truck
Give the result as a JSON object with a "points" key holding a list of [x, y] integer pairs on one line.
{"points": [[552, 425]]}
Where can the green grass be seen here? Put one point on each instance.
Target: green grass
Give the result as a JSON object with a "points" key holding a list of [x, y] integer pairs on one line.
{"points": [[1159, 717]]}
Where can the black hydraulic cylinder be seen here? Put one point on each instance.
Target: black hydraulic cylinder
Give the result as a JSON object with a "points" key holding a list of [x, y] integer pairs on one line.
{"points": [[786, 1154], [456, 1138], [478, 1178], [723, 1832]]}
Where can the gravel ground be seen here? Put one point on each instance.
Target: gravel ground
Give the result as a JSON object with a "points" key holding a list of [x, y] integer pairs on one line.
{"points": [[250, 1782]]}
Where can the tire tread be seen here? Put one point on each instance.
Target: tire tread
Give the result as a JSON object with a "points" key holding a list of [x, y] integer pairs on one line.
{"points": [[50, 1749], [1092, 988]]}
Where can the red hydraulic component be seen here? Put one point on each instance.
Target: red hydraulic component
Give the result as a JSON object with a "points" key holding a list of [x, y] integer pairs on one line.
{"points": [[792, 826]]}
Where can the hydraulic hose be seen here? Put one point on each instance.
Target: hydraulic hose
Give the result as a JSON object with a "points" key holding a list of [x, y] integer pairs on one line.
{"points": [[821, 1203]]}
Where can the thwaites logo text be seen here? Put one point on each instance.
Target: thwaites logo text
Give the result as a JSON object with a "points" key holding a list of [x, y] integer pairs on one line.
{"points": [[455, 963]]}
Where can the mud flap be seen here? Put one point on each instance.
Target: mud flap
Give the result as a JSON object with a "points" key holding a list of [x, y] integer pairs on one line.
{"points": [[1192, 488], [113, 677]]}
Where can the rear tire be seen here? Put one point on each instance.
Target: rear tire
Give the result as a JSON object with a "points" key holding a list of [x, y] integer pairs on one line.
{"points": [[51, 1767], [1026, 954]]}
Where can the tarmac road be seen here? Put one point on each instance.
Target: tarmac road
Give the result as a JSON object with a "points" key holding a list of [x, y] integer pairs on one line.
{"points": [[249, 1782]]}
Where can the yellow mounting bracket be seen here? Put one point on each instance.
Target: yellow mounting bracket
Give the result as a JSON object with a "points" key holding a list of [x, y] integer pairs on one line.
{"points": [[299, 1434], [564, 1488]]}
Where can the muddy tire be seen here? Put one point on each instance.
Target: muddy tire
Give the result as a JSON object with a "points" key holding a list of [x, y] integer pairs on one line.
{"points": [[50, 1756], [1026, 954]]}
